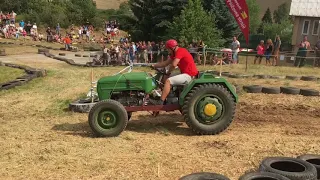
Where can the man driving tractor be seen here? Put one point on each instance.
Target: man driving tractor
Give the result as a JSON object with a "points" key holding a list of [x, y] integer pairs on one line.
{"points": [[179, 57]]}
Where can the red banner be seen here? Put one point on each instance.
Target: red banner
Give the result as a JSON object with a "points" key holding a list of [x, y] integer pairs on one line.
{"points": [[239, 10]]}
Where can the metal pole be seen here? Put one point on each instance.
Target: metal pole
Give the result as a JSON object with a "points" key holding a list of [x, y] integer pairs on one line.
{"points": [[91, 85], [247, 59], [204, 56]]}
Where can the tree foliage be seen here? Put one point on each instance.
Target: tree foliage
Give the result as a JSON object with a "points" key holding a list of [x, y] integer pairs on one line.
{"points": [[152, 17], [50, 13], [284, 30], [254, 13], [282, 13], [194, 24], [224, 19], [267, 17]]}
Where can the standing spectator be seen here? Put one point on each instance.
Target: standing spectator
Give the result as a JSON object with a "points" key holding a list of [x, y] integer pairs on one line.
{"points": [[8, 18], [302, 52], [260, 52], [67, 42], [58, 29], [269, 51], [29, 27], [200, 50], [235, 46], [276, 52], [13, 17], [35, 28], [49, 34], [317, 49], [150, 53]]}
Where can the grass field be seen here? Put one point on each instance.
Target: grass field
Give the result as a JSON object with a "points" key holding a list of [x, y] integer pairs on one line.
{"points": [[9, 74], [41, 140]]}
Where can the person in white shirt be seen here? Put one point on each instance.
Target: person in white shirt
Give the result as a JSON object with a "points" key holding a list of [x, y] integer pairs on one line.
{"points": [[235, 50], [35, 28]]}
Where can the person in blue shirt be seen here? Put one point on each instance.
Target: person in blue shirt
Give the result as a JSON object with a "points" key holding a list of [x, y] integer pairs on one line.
{"points": [[21, 24]]}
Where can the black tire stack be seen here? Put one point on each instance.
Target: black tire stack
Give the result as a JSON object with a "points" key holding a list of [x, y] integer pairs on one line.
{"points": [[304, 167], [279, 90], [31, 74]]}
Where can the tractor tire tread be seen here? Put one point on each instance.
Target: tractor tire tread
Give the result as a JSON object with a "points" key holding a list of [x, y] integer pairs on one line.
{"points": [[117, 106], [190, 98]]}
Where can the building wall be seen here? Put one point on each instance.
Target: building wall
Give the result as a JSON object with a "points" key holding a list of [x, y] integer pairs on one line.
{"points": [[298, 33]]}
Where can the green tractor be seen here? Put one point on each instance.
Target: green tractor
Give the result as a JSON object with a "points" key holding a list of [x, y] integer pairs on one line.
{"points": [[207, 103]]}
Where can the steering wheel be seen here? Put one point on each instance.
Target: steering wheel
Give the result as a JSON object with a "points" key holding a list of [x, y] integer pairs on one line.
{"points": [[159, 71]]}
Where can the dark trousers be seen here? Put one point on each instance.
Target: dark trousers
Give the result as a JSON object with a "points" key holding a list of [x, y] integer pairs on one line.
{"points": [[300, 61]]}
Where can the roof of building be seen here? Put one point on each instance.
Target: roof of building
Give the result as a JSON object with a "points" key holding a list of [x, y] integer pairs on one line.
{"points": [[309, 8]]}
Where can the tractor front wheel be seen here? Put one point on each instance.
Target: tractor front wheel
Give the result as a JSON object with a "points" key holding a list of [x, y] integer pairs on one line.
{"points": [[209, 109], [108, 118]]}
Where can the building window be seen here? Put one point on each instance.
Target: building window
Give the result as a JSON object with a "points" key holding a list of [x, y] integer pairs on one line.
{"points": [[305, 27], [315, 29]]}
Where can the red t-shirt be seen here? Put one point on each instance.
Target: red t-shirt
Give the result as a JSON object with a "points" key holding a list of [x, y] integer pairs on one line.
{"points": [[186, 63]]}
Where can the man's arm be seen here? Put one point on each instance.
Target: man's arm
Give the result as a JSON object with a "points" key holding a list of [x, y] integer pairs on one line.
{"points": [[174, 64], [162, 64]]}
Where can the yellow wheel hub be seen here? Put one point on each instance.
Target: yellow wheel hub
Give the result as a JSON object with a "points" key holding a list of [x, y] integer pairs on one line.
{"points": [[108, 118], [210, 110]]}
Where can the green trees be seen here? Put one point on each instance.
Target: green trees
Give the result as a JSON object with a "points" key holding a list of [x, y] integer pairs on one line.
{"points": [[152, 18], [195, 23], [267, 17], [49, 13], [254, 12], [282, 13], [223, 17]]}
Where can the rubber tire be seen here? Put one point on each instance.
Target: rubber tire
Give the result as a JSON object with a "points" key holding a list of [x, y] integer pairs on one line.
{"points": [[42, 51], [309, 92], [271, 90], [261, 76], [85, 56], [77, 55], [204, 176], [277, 77], [62, 54], [253, 89], [115, 106], [310, 172], [9, 85], [192, 97], [225, 74], [296, 78], [81, 106], [309, 78], [290, 90], [262, 176], [3, 52], [236, 76], [312, 159]]}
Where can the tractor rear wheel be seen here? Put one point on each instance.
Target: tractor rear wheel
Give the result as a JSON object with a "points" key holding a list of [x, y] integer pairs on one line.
{"points": [[209, 109], [108, 118]]}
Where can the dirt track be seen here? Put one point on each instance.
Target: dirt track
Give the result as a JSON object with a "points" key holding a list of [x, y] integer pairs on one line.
{"points": [[39, 143]]}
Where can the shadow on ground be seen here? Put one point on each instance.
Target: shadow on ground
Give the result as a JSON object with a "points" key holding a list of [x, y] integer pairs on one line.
{"points": [[163, 124]]}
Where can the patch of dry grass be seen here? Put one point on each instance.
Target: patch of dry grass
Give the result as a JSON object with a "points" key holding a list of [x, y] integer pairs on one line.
{"points": [[40, 140], [8, 74]]}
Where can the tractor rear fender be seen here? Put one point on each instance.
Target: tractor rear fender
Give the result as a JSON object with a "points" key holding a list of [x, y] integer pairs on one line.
{"points": [[200, 81]]}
